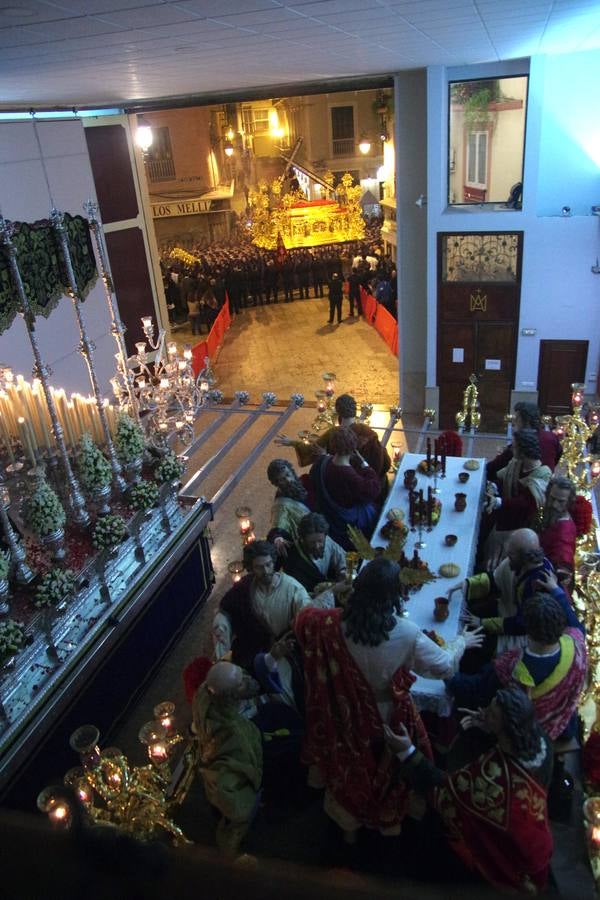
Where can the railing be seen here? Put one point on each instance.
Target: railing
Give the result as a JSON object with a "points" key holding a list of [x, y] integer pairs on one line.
{"points": [[343, 147], [160, 169]]}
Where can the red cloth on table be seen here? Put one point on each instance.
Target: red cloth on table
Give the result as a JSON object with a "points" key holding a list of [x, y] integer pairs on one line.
{"points": [[344, 730]]}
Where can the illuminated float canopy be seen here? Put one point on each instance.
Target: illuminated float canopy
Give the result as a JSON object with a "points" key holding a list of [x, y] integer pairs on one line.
{"points": [[293, 221]]}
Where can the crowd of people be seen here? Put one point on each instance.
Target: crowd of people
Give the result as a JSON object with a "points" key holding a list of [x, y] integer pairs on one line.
{"points": [[250, 276], [309, 687]]}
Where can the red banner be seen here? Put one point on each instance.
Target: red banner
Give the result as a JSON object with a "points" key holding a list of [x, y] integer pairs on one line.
{"points": [[384, 322], [214, 340], [369, 306], [387, 327]]}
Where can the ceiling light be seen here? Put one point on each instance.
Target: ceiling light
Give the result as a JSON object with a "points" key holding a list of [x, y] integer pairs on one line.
{"points": [[143, 135]]}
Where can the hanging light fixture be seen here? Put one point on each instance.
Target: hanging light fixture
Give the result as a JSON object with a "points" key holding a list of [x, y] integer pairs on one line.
{"points": [[228, 148], [230, 133], [143, 135], [364, 144]]}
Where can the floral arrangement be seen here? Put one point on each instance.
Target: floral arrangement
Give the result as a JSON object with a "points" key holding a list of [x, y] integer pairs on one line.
{"points": [[170, 468], [243, 397], [108, 532], [12, 638], [451, 442], [129, 439], [436, 512], [43, 512], [270, 398], [581, 513], [216, 396], [4, 565], [297, 400], [54, 587], [425, 469], [143, 495], [94, 469], [394, 524], [414, 573]]}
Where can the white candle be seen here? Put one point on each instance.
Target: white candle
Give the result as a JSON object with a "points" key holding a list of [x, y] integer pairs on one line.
{"points": [[25, 436], [6, 438]]}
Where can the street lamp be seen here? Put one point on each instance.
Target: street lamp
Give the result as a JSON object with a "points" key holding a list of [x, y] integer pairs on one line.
{"points": [[143, 135], [228, 148]]}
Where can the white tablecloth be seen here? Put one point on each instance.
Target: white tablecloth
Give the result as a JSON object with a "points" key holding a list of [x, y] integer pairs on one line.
{"points": [[431, 693]]}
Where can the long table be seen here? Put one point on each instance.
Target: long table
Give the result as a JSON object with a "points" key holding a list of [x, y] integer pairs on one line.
{"points": [[430, 693]]}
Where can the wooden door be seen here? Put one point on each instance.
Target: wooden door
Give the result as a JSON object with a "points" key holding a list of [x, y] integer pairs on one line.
{"points": [[561, 364], [479, 287]]}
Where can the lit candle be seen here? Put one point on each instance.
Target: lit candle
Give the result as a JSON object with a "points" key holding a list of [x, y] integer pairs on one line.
{"points": [[6, 438], [25, 436], [72, 423], [42, 414], [178, 425], [182, 365], [164, 384], [146, 323], [59, 814], [187, 354], [158, 751], [595, 468], [172, 348], [204, 386]]}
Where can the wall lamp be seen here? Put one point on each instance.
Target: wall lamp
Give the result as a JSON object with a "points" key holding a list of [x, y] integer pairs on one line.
{"points": [[143, 135], [364, 144], [421, 200]]}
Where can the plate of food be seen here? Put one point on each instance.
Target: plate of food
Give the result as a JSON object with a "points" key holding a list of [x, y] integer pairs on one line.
{"points": [[471, 465]]}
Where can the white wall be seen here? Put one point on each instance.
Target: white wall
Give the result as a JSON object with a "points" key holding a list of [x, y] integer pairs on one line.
{"points": [[559, 294], [24, 198]]}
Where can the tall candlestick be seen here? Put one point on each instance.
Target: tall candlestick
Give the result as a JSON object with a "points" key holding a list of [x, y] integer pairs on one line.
{"points": [[86, 348]]}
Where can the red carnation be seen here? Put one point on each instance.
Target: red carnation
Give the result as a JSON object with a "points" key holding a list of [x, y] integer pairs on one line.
{"points": [[590, 758], [451, 442], [194, 675], [581, 513]]}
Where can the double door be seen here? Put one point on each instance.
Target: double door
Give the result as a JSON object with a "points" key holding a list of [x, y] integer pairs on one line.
{"points": [[479, 288]]}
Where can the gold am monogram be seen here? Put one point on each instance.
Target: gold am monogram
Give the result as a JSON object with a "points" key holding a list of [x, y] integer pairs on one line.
{"points": [[478, 301]]}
